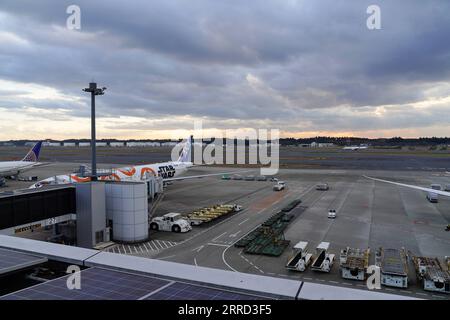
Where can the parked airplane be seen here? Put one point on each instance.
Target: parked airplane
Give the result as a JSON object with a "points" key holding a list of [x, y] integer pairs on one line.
{"points": [[168, 171], [440, 192], [14, 168], [354, 148]]}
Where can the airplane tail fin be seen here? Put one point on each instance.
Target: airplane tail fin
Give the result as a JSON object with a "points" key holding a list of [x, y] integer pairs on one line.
{"points": [[185, 155], [33, 154]]}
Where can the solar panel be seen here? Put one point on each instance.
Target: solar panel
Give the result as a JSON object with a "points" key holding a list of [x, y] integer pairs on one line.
{"points": [[96, 284], [183, 291], [13, 260], [107, 284]]}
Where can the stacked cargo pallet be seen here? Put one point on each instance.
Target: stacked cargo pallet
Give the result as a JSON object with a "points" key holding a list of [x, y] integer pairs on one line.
{"points": [[268, 239], [208, 214]]}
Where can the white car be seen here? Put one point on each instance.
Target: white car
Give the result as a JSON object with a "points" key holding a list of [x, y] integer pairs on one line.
{"points": [[170, 222], [332, 214], [278, 187]]}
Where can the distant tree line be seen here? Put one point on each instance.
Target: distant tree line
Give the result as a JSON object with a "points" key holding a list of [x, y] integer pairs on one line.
{"points": [[394, 141], [339, 141]]}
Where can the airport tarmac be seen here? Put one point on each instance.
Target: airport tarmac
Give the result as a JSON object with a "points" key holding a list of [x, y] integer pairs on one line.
{"points": [[369, 214]]}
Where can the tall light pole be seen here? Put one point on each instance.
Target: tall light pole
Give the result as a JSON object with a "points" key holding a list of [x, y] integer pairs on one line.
{"points": [[94, 92]]}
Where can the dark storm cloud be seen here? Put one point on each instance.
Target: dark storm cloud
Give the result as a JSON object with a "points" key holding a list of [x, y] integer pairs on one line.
{"points": [[284, 62]]}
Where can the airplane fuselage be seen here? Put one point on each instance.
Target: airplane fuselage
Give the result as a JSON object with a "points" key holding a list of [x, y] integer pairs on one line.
{"points": [[165, 170], [12, 168]]}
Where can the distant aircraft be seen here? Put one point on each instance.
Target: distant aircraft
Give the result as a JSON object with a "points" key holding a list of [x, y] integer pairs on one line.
{"points": [[354, 148], [168, 171], [440, 192], [14, 168]]}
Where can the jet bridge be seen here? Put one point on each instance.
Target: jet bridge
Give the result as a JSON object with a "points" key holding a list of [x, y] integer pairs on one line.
{"points": [[27, 209]]}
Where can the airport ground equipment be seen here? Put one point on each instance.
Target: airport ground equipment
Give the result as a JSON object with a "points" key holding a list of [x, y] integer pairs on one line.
{"points": [[278, 187], [324, 260], [322, 186], [270, 242], [300, 260], [268, 239], [291, 205], [436, 186], [170, 222], [208, 214], [226, 177], [447, 228], [394, 267], [354, 263], [432, 197], [332, 214], [432, 274]]}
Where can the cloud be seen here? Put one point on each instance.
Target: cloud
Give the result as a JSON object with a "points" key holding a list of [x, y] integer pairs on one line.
{"points": [[301, 66]]}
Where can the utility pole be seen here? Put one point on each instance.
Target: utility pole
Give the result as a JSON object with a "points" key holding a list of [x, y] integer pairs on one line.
{"points": [[94, 92]]}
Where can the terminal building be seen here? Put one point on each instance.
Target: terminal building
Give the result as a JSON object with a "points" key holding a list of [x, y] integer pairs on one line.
{"points": [[82, 214]]}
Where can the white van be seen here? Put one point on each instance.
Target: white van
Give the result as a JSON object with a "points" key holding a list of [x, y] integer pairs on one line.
{"points": [[432, 197]]}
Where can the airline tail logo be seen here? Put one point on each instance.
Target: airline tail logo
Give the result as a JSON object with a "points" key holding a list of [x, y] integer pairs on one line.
{"points": [[33, 155]]}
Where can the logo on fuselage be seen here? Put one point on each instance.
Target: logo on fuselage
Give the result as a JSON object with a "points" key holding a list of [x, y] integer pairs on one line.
{"points": [[166, 171]]}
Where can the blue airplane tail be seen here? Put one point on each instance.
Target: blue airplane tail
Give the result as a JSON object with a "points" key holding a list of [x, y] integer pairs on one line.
{"points": [[33, 154]]}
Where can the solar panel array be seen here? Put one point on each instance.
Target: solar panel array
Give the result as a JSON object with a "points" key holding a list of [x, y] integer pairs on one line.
{"points": [[184, 291], [13, 260], [107, 284]]}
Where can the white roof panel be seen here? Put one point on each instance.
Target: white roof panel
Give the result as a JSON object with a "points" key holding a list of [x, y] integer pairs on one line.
{"points": [[52, 251], [316, 291]]}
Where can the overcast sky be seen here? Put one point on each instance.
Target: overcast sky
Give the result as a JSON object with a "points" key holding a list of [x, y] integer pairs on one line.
{"points": [[307, 68]]}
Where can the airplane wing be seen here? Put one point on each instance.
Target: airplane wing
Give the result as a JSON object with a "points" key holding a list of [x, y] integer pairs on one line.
{"points": [[204, 175], [442, 193]]}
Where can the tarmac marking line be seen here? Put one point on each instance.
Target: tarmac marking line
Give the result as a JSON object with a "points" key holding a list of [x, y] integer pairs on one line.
{"points": [[219, 236], [217, 244], [159, 243], [165, 244], [151, 247], [224, 261], [244, 221], [235, 234]]}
